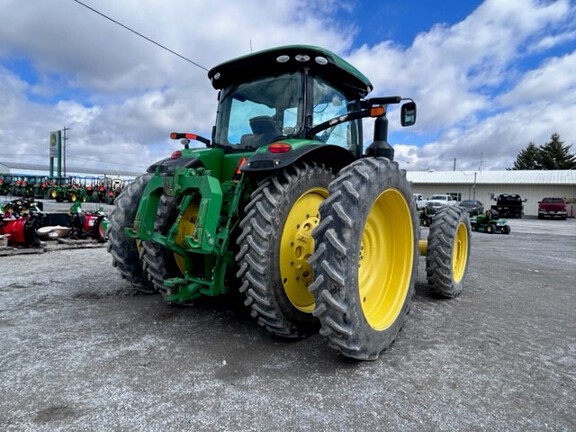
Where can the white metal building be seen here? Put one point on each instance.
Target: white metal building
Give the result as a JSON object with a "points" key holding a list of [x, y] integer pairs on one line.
{"points": [[39, 169], [485, 185]]}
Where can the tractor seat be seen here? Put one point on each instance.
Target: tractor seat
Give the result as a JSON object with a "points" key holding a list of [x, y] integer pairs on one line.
{"points": [[264, 132]]}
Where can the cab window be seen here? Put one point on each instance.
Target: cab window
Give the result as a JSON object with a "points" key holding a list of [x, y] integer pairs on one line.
{"points": [[329, 103]]}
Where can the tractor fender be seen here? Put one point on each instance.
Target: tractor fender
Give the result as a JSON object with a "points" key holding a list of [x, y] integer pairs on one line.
{"points": [[331, 155]]}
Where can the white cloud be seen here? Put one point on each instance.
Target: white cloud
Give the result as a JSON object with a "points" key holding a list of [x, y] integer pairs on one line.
{"points": [[456, 73], [121, 95]]}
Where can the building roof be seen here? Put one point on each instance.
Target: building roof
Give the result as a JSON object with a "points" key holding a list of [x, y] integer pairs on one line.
{"points": [[550, 177], [14, 167]]}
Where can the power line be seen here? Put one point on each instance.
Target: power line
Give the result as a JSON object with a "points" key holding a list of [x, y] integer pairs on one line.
{"points": [[141, 35]]}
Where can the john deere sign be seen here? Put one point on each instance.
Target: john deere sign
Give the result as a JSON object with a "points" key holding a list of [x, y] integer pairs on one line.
{"points": [[56, 152]]}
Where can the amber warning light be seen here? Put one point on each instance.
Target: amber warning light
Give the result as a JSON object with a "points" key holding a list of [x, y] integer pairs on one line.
{"points": [[377, 111]]}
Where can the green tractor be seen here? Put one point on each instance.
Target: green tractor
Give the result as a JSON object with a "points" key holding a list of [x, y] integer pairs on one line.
{"points": [[285, 206]]}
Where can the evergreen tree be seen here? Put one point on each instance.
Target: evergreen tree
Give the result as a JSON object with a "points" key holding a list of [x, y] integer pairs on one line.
{"points": [[528, 158], [554, 155]]}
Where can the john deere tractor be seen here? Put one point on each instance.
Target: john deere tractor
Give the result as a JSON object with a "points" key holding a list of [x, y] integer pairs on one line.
{"points": [[284, 205]]}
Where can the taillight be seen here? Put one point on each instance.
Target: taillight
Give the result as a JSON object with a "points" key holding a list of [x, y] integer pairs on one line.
{"points": [[279, 147]]}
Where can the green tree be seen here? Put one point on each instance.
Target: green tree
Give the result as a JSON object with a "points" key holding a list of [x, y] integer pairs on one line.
{"points": [[528, 158], [553, 155]]}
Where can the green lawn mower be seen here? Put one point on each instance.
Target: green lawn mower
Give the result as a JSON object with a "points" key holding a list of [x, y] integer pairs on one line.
{"points": [[490, 223]]}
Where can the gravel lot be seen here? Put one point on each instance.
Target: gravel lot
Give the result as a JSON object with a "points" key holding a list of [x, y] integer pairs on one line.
{"points": [[80, 351]]}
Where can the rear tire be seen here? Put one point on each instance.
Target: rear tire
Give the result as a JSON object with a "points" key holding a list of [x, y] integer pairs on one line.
{"points": [[124, 249], [448, 251], [275, 244], [366, 258]]}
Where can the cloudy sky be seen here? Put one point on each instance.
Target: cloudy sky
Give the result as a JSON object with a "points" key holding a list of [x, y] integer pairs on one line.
{"points": [[489, 76]]}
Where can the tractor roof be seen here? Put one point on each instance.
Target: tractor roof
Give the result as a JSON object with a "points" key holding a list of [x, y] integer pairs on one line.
{"points": [[291, 58]]}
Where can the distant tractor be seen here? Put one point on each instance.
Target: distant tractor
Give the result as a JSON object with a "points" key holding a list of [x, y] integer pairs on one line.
{"points": [[87, 224], [284, 205]]}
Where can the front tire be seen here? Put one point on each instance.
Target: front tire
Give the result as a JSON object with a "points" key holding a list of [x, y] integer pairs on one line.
{"points": [[124, 249], [448, 251], [275, 244], [366, 258]]}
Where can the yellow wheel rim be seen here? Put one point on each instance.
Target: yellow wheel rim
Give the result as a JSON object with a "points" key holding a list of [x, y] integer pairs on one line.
{"points": [[386, 259], [460, 253], [297, 245], [186, 227], [53, 194]]}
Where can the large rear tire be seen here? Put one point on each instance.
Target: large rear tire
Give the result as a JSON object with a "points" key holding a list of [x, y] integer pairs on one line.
{"points": [[366, 258], [448, 251], [124, 249], [275, 244]]}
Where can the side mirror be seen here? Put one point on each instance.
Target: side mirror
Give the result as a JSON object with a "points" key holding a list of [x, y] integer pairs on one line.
{"points": [[408, 114]]}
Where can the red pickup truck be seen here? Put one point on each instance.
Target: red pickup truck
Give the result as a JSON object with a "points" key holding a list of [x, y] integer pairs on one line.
{"points": [[552, 207]]}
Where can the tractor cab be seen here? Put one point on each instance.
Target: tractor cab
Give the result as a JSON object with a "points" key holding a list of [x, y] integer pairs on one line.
{"points": [[301, 96], [289, 104]]}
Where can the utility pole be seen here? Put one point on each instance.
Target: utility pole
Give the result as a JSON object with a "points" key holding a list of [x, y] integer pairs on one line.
{"points": [[64, 138]]}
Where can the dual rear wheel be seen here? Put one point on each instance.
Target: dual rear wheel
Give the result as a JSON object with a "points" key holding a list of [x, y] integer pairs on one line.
{"points": [[342, 253]]}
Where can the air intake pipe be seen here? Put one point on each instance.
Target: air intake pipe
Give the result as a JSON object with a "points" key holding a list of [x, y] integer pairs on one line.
{"points": [[380, 146]]}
